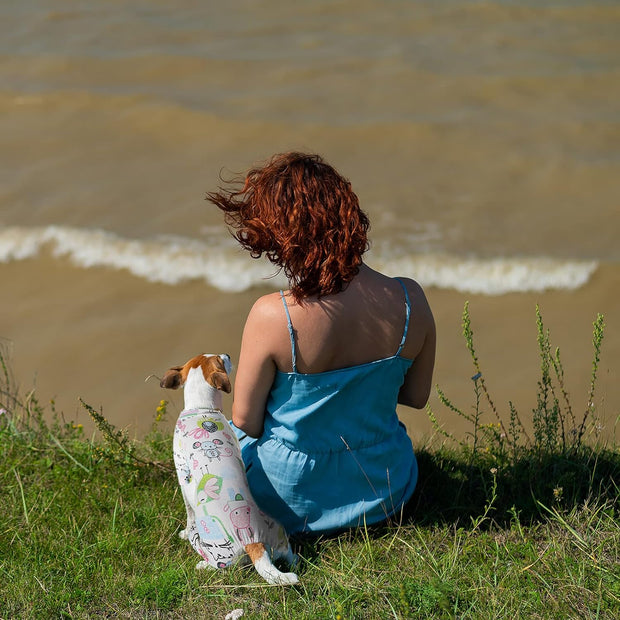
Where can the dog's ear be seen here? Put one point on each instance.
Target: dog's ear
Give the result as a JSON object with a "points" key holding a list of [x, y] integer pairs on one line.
{"points": [[172, 378], [220, 381]]}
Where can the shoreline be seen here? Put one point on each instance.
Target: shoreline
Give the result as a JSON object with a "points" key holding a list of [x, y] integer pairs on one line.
{"points": [[97, 334]]}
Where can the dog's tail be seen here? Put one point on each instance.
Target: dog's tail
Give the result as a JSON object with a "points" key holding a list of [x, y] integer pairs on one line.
{"points": [[265, 568]]}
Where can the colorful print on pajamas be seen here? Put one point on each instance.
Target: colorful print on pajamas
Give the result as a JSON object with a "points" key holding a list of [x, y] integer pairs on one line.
{"points": [[222, 516]]}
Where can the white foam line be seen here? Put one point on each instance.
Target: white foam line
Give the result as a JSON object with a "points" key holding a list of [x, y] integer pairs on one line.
{"points": [[494, 276], [222, 264]]}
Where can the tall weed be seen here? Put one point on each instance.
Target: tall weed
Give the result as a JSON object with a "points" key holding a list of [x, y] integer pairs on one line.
{"points": [[557, 460]]}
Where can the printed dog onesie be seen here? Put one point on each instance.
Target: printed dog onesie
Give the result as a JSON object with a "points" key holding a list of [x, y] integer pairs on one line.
{"points": [[224, 524]]}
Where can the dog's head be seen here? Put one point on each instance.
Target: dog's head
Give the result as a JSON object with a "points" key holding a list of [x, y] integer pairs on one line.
{"points": [[215, 370]]}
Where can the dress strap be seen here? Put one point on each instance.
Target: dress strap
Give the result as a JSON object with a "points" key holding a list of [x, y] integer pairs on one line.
{"points": [[290, 332], [407, 315]]}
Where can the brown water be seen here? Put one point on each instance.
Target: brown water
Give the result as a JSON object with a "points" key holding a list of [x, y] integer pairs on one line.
{"points": [[483, 139]]}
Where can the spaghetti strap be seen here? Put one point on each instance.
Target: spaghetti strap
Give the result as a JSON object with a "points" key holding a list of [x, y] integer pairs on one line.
{"points": [[290, 332], [407, 315]]}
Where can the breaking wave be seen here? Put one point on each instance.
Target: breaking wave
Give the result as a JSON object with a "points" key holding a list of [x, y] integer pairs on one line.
{"points": [[220, 262]]}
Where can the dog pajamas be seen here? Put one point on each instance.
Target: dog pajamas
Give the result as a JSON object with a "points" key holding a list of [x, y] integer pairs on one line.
{"points": [[222, 517]]}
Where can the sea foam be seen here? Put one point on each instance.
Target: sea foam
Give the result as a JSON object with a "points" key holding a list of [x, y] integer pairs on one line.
{"points": [[220, 262]]}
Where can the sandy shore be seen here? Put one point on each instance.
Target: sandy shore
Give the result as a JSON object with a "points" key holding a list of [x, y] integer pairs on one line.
{"points": [[97, 334]]}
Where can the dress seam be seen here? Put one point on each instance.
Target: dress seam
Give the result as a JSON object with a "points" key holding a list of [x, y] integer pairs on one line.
{"points": [[345, 446]]}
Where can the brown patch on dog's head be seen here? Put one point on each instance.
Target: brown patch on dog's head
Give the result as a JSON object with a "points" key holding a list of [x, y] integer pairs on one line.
{"points": [[213, 370]]}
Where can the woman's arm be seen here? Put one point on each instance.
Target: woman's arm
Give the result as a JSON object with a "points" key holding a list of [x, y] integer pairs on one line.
{"points": [[256, 368], [418, 380]]}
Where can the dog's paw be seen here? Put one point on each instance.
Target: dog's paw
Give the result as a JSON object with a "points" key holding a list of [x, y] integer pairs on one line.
{"points": [[183, 534], [202, 565]]}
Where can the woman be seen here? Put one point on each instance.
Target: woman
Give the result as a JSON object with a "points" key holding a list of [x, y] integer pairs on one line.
{"points": [[323, 365]]}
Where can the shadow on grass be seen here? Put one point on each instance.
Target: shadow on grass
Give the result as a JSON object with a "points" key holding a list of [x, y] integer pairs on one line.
{"points": [[451, 490]]}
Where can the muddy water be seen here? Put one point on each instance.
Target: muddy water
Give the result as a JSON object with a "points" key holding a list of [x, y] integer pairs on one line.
{"points": [[482, 139]]}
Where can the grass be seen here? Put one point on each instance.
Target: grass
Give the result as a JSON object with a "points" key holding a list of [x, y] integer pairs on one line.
{"points": [[509, 522]]}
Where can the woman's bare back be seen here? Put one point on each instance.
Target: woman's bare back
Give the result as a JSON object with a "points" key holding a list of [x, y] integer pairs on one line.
{"points": [[361, 324]]}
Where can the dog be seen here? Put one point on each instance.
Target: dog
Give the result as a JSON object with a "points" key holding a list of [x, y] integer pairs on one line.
{"points": [[224, 524]]}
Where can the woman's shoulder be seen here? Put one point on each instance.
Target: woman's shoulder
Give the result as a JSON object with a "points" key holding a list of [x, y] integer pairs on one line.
{"points": [[265, 326], [414, 289], [415, 292], [266, 309], [268, 302], [418, 301], [422, 327]]}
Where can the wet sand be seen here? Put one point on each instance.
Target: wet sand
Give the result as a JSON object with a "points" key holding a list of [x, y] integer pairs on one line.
{"points": [[97, 334]]}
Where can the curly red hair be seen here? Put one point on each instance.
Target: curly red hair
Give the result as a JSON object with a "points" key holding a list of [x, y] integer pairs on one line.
{"points": [[304, 216]]}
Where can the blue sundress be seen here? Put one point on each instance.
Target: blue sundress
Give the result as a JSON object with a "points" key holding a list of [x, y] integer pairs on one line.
{"points": [[333, 454]]}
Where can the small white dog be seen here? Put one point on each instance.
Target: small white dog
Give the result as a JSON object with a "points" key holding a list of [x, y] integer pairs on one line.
{"points": [[224, 524]]}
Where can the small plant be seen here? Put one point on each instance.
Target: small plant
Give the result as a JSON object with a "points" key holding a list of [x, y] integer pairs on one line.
{"points": [[26, 418], [118, 447], [554, 465], [555, 429], [160, 412], [597, 340], [421, 599]]}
